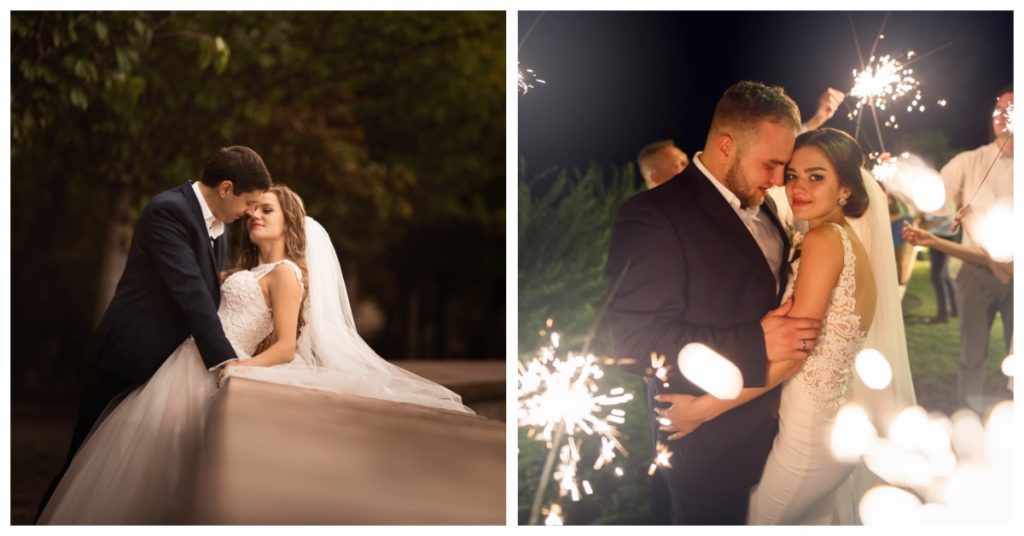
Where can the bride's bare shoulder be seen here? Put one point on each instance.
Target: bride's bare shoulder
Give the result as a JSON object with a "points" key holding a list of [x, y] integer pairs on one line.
{"points": [[823, 243]]}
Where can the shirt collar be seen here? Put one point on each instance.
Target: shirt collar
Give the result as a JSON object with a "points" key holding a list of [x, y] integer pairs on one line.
{"points": [[730, 197], [213, 226]]}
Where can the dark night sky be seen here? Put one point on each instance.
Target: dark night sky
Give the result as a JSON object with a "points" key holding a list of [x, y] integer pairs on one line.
{"points": [[619, 80]]}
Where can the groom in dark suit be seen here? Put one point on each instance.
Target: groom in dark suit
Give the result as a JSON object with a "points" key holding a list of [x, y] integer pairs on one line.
{"points": [[170, 287], [706, 258]]}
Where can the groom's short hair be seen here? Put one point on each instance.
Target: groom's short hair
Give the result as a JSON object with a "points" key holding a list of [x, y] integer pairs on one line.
{"points": [[746, 104], [240, 165]]}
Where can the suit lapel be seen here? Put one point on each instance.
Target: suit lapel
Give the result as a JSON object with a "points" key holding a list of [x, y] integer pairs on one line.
{"points": [[769, 207], [200, 226], [725, 218]]}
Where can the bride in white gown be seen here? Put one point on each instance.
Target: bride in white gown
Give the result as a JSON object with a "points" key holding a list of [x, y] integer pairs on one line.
{"points": [[845, 275], [139, 463]]}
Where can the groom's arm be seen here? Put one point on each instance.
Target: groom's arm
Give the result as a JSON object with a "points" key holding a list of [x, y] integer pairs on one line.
{"points": [[164, 229], [644, 314]]}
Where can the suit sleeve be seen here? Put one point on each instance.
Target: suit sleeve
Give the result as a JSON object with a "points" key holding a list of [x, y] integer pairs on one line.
{"points": [[646, 314], [164, 230]]}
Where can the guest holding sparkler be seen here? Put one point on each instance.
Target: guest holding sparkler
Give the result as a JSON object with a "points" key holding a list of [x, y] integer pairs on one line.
{"points": [[703, 259], [978, 182]]}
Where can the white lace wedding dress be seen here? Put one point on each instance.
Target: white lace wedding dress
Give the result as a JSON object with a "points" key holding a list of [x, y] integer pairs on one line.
{"points": [[801, 476], [138, 465]]}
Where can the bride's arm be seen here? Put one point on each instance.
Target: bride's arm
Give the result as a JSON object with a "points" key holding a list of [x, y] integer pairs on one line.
{"points": [[285, 300], [821, 262], [686, 412]]}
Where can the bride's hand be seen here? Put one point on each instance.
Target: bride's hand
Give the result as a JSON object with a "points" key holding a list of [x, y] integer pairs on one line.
{"points": [[222, 373], [685, 414]]}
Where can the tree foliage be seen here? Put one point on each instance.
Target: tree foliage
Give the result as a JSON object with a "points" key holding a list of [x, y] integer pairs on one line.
{"points": [[565, 225], [390, 125]]}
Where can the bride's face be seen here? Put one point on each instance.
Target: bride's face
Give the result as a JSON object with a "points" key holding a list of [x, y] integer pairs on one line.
{"points": [[812, 185], [266, 220]]}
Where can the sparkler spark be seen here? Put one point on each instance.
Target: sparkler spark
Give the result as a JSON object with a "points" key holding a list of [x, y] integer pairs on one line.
{"points": [[525, 79], [659, 368], [662, 457], [883, 81], [1007, 116], [554, 516], [559, 396], [885, 171]]}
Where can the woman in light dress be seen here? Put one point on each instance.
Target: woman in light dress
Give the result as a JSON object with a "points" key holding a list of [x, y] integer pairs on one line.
{"points": [[844, 277], [286, 311]]}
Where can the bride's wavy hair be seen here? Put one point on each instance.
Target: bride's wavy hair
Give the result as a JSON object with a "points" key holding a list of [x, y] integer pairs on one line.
{"points": [[247, 255], [847, 158]]}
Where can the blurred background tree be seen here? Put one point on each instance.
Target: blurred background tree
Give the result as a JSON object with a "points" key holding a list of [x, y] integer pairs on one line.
{"points": [[565, 225], [390, 125]]}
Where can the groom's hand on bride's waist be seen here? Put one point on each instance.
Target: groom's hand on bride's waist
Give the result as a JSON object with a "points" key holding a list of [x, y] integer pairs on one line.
{"points": [[787, 337], [683, 415]]}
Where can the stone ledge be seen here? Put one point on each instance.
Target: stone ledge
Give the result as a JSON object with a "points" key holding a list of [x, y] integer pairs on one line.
{"points": [[277, 454], [475, 381]]}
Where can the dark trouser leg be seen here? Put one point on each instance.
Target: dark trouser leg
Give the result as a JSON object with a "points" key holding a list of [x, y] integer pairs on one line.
{"points": [[977, 312], [100, 387], [940, 281], [710, 507]]}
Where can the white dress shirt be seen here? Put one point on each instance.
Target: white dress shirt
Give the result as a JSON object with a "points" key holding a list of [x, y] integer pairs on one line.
{"points": [[962, 177], [216, 228], [213, 226], [760, 226]]}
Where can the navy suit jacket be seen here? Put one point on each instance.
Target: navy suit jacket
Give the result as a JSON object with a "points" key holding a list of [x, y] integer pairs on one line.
{"points": [[696, 274], [169, 290]]}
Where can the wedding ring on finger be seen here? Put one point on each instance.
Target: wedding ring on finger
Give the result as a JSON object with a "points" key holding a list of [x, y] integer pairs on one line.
{"points": [[803, 344]]}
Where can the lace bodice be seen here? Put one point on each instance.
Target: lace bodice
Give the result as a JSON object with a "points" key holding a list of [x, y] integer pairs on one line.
{"points": [[243, 311], [828, 371]]}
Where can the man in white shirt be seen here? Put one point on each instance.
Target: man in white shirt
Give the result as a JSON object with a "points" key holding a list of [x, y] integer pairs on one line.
{"points": [[701, 259], [662, 160], [170, 287], [981, 179]]}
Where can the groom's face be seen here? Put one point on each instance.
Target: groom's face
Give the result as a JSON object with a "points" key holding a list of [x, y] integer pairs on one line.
{"points": [[234, 206], [759, 162]]}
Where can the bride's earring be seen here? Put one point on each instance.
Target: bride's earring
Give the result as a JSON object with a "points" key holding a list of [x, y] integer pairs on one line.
{"points": [[842, 201]]}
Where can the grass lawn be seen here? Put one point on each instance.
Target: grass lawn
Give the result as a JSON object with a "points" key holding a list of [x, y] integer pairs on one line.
{"points": [[934, 351]]}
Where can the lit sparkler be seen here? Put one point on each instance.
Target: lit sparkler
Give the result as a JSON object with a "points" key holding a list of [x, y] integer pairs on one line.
{"points": [[553, 516], [659, 368], [881, 83], [885, 171], [662, 458], [559, 397], [1007, 117], [557, 392], [525, 79]]}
